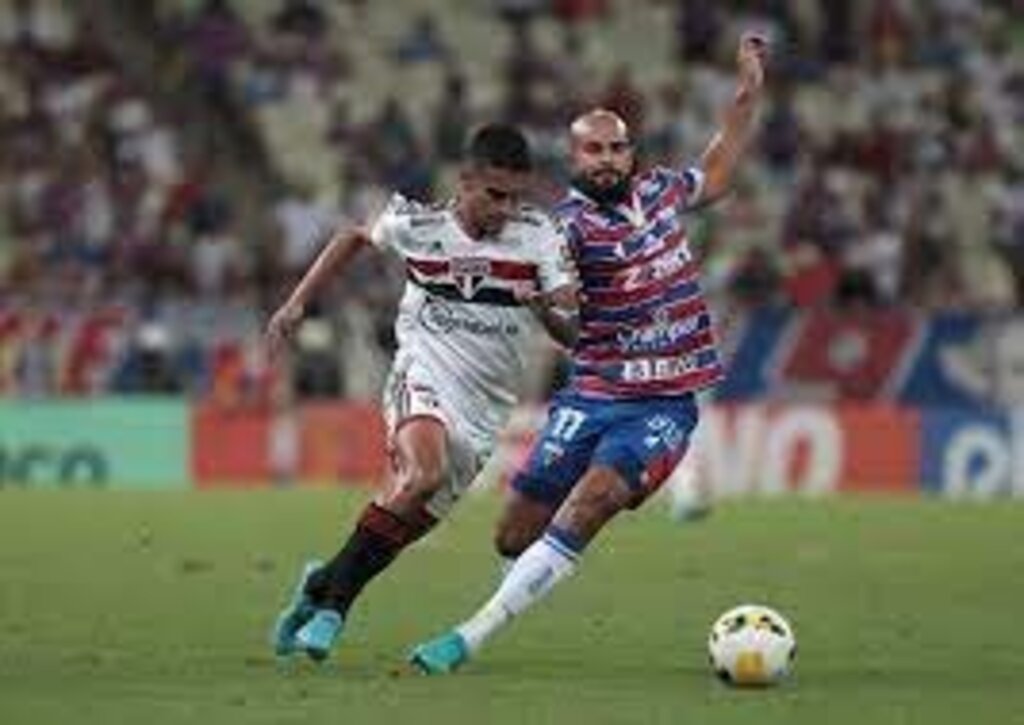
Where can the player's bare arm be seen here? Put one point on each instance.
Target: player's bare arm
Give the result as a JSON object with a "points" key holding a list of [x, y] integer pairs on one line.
{"points": [[723, 154], [557, 312], [334, 257]]}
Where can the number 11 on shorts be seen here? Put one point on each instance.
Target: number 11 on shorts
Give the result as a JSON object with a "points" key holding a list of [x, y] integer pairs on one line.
{"points": [[567, 423]]}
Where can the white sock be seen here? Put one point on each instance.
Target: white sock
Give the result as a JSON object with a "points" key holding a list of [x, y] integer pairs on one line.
{"points": [[534, 574]]}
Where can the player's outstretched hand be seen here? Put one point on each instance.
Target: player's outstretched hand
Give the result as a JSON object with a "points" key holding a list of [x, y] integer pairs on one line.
{"points": [[751, 59], [281, 328]]}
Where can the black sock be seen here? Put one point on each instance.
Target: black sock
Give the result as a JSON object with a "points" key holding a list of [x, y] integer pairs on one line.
{"points": [[378, 538]]}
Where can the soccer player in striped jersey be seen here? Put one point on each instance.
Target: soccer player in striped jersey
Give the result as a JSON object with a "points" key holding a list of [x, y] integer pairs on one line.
{"points": [[462, 329], [644, 348]]}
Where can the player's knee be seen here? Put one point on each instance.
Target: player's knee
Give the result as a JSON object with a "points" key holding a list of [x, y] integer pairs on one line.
{"points": [[511, 541], [426, 478], [602, 501], [590, 506]]}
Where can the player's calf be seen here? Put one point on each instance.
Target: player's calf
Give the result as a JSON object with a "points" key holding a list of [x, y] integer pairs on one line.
{"points": [[597, 498], [523, 521]]}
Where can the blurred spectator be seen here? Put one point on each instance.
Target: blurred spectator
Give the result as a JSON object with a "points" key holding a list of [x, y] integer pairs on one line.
{"points": [[837, 40], [451, 120], [781, 136], [317, 373], [33, 24], [518, 14], [1009, 220], [216, 257], [303, 20], [422, 43], [150, 359], [216, 37], [757, 281], [304, 224], [699, 26]]}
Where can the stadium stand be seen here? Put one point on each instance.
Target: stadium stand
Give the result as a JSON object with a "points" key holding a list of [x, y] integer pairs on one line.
{"points": [[159, 196]]}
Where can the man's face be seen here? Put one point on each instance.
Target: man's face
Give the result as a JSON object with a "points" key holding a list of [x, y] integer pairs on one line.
{"points": [[490, 196], [602, 158]]}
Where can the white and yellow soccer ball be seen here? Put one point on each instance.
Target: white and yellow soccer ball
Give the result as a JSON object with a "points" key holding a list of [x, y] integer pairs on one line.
{"points": [[752, 645]]}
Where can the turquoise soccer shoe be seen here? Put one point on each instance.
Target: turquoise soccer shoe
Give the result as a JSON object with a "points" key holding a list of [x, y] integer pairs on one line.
{"points": [[300, 610], [440, 656], [318, 635]]}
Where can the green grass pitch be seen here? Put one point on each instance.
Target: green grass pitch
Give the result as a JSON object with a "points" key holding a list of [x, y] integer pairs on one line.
{"points": [[154, 608]]}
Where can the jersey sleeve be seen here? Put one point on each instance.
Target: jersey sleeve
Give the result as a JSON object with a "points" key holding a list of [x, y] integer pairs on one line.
{"points": [[555, 267], [693, 183], [690, 181], [387, 230]]}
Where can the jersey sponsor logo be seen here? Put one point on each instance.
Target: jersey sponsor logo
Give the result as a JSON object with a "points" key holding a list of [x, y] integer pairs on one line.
{"points": [[657, 269], [441, 318], [660, 368], [427, 220], [663, 333]]}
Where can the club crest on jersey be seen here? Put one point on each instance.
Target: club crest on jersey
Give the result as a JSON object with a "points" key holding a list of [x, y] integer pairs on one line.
{"points": [[468, 273]]}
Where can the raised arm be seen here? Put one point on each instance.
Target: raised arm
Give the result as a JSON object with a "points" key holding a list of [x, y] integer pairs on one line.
{"points": [[723, 154], [333, 258]]}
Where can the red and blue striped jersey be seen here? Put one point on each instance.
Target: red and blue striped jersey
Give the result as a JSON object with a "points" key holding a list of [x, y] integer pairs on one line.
{"points": [[645, 328]]}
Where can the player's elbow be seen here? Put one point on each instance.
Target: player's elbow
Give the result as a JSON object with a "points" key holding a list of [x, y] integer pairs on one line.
{"points": [[718, 179]]}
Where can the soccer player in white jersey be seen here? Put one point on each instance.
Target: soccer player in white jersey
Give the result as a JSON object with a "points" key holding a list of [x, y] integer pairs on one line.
{"points": [[463, 321], [645, 347]]}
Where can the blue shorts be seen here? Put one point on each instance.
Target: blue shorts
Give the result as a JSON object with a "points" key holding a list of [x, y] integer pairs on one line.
{"points": [[643, 440]]}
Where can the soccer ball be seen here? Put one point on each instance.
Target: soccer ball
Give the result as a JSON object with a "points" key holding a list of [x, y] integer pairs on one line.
{"points": [[751, 645]]}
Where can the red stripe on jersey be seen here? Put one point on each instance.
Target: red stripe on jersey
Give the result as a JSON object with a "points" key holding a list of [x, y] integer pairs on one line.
{"points": [[502, 269], [672, 242], [512, 270], [429, 267], [612, 267]]}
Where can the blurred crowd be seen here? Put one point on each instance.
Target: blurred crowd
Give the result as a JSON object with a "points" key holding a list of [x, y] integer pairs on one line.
{"points": [[889, 169]]}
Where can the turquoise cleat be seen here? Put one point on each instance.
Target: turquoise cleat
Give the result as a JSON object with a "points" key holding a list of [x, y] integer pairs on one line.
{"points": [[300, 610], [318, 635], [440, 656]]}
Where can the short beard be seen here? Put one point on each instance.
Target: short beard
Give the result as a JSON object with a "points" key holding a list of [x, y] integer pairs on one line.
{"points": [[617, 193]]}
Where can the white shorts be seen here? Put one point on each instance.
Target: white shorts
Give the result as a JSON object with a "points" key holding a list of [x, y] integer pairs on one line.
{"points": [[411, 394]]}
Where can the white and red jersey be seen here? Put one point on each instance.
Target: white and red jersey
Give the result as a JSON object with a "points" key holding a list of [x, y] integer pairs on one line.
{"points": [[459, 323], [645, 329]]}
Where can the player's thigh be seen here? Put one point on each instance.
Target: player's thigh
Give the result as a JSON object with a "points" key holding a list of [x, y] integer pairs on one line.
{"points": [[418, 427], [561, 452], [646, 442]]}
